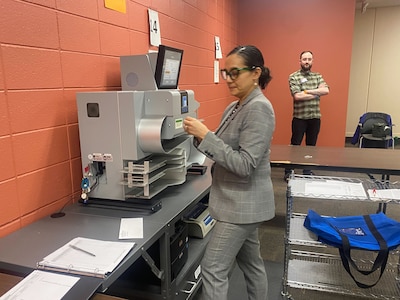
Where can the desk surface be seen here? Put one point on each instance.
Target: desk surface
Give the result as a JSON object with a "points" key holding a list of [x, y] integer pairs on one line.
{"points": [[22, 249], [346, 159]]}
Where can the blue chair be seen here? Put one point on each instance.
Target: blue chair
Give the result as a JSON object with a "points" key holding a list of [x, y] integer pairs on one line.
{"points": [[364, 135], [365, 138]]}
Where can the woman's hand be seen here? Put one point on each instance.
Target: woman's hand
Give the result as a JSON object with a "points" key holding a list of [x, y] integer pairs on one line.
{"points": [[195, 127]]}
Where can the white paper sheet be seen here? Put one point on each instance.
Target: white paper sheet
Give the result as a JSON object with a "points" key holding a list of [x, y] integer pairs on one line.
{"points": [[335, 188], [388, 194], [131, 228], [41, 285]]}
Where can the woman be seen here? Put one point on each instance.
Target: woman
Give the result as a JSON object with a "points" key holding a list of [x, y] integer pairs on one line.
{"points": [[241, 194]]}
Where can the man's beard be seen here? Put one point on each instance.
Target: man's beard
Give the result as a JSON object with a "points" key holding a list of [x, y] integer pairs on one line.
{"points": [[306, 68]]}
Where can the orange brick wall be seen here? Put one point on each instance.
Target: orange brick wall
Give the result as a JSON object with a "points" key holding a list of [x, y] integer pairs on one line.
{"points": [[51, 49], [282, 29]]}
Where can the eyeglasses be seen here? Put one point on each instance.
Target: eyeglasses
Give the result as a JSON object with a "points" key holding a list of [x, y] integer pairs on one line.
{"points": [[235, 72]]}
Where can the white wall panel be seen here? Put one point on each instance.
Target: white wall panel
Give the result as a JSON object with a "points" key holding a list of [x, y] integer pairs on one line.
{"points": [[384, 87], [375, 66]]}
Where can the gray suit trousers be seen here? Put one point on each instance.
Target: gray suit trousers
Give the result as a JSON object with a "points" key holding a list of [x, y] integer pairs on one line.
{"points": [[229, 242]]}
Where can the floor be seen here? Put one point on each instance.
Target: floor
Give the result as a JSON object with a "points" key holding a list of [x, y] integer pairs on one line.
{"points": [[272, 240]]}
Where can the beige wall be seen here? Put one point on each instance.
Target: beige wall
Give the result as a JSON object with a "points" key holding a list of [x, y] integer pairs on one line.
{"points": [[375, 66]]}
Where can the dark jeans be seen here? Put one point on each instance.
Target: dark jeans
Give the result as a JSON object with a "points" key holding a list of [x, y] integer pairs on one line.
{"points": [[310, 128]]}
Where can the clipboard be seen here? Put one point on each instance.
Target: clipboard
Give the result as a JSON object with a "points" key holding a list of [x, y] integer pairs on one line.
{"points": [[89, 257]]}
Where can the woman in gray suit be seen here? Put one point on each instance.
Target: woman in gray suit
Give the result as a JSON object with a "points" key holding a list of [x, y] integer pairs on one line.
{"points": [[241, 195]]}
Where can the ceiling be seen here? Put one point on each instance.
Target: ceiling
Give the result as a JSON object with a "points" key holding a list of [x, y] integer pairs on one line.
{"points": [[377, 3]]}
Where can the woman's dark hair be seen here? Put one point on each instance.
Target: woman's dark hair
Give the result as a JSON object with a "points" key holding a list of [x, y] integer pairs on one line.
{"points": [[253, 57]]}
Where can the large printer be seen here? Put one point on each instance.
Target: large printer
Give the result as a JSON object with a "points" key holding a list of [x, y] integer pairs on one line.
{"points": [[133, 145]]}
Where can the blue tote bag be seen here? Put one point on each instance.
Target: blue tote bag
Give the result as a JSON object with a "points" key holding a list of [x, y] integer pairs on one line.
{"points": [[374, 232]]}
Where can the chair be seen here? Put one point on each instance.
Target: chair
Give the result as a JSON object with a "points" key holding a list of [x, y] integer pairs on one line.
{"points": [[366, 139], [363, 136]]}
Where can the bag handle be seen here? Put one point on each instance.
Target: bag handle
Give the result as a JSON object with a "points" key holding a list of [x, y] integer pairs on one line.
{"points": [[380, 260]]}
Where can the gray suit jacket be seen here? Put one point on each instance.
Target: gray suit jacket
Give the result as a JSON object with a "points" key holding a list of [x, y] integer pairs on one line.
{"points": [[241, 190]]}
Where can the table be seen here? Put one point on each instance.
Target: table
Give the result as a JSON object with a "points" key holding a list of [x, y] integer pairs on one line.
{"points": [[345, 159], [22, 249]]}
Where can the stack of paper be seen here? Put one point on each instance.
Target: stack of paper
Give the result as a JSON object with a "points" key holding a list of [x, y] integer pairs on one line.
{"points": [[41, 285]]}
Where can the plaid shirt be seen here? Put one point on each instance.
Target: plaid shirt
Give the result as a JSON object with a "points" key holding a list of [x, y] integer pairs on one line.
{"points": [[300, 81]]}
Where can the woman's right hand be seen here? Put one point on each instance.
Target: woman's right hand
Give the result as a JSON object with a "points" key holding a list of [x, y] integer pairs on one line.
{"points": [[195, 127]]}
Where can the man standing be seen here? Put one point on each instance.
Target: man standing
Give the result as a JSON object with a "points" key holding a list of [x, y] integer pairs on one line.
{"points": [[306, 88]]}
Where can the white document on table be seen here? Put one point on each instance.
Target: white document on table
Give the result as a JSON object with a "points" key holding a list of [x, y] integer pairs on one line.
{"points": [[387, 194], [335, 188], [41, 285], [85, 256], [131, 228]]}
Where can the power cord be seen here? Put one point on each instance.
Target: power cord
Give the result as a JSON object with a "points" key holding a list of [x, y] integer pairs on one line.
{"points": [[60, 213]]}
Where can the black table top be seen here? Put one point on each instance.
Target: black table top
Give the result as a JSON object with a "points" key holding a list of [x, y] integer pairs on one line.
{"points": [[346, 159]]}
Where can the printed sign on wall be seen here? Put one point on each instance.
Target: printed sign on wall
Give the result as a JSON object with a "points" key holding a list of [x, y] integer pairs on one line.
{"points": [[155, 35]]}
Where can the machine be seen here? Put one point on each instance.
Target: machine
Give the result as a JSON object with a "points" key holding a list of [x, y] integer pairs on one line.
{"points": [[133, 145], [199, 221]]}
